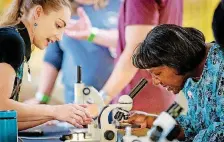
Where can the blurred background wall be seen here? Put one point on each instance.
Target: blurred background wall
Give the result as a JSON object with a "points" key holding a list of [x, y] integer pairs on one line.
{"points": [[197, 13]]}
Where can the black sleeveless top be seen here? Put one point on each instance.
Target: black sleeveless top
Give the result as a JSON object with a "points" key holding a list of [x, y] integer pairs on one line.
{"points": [[15, 45]]}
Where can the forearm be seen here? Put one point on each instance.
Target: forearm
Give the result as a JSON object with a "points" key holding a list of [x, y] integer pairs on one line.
{"points": [[26, 112], [124, 70], [48, 78], [107, 38], [30, 124], [123, 73]]}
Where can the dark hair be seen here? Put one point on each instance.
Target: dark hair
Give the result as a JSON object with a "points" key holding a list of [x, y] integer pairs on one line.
{"points": [[20, 7], [170, 45], [218, 24]]}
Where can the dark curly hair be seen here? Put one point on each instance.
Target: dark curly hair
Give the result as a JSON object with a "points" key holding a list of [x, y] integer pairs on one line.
{"points": [[170, 45]]}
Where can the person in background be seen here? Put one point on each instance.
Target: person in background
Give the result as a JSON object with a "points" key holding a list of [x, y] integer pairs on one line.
{"points": [[179, 59], [87, 40], [37, 22], [217, 24], [137, 18]]}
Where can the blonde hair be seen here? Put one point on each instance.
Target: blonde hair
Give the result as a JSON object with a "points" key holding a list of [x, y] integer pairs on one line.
{"points": [[20, 7]]}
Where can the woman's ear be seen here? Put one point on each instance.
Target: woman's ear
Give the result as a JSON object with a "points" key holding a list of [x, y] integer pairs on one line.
{"points": [[38, 10]]}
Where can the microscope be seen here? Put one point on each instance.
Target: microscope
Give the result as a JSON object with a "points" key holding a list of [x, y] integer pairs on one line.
{"points": [[86, 94], [101, 130], [163, 130]]}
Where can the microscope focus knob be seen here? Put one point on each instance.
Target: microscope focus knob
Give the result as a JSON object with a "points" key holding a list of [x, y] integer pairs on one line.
{"points": [[86, 91], [109, 135]]}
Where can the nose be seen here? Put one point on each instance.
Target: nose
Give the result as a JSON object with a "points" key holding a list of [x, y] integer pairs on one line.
{"points": [[155, 81]]}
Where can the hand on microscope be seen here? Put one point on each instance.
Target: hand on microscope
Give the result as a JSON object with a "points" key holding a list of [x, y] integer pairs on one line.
{"points": [[76, 115], [140, 118]]}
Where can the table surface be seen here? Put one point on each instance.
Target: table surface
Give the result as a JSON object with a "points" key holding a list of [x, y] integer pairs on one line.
{"points": [[52, 133]]}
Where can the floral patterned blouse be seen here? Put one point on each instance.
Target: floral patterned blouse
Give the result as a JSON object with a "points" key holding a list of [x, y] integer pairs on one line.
{"points": [[204, 121]]}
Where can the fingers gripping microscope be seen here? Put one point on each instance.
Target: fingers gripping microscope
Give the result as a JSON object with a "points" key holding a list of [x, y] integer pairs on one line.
{"points": [[101, 130], [164, 128]]}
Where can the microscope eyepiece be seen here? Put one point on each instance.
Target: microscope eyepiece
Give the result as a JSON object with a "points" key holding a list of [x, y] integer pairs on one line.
{"points": [[138, 88], [79, 74]]}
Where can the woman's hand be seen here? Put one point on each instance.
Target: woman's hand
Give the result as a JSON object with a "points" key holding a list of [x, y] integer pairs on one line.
{"points": [[140, 118], [76, 115], [81, 28]]}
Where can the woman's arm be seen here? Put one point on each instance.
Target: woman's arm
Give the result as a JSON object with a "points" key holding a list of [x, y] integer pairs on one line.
{"points": [[7, 75], [82, 28], [74, 114], [107, 38], [30, 124]]}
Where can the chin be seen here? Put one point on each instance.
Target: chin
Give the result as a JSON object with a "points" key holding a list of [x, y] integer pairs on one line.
{"points": [[41, 46], [176, 91]]}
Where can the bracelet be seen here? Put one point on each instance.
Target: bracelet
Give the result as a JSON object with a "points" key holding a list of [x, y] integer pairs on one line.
{"points": [[42, 98], [94, 32]]}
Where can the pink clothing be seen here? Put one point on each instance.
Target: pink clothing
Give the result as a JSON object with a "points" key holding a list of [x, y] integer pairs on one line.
{"points": [[148, 12]]}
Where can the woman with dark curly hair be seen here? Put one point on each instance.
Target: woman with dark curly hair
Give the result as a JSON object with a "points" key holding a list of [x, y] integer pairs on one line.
{"points": [[179, 59]]}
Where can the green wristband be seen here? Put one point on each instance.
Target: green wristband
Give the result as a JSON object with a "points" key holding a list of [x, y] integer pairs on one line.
{"points": [[45, 99], [94, 32], [91, 37], [42, 98]]}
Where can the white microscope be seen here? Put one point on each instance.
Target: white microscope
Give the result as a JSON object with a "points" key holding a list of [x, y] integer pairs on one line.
{"points": [[102, 130], [86, 94], [163, 130]]}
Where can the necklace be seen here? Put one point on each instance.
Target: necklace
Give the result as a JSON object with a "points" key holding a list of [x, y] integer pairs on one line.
{"points": [[28, 66]]}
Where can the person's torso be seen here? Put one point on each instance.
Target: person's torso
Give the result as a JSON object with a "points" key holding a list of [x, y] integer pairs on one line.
{"points": [[170, 12], [95, 60], [204, 97], [16, 59]]}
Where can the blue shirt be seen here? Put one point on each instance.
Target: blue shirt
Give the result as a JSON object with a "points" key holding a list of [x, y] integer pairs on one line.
{"points": [[204, 121], [96, 61]]}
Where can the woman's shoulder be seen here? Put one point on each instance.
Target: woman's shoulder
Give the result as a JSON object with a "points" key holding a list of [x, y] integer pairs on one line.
{"points": [[216, 51], [215, 56], [9, 33], [213, 70], [215, 64], [11, 47]]}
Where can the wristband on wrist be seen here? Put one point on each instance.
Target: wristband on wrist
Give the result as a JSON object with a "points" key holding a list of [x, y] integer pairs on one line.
{"points": [[42, 98], [94, 32]]}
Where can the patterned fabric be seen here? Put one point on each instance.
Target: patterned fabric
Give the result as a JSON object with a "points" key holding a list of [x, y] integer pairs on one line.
{"points": [[204, 121], [17, 83]]}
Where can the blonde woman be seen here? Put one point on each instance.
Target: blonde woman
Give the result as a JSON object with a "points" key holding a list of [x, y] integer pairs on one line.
{"points": [[37, 22]]}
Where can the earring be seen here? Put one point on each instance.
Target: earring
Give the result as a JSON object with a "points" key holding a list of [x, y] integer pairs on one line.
{"points": [[35, 24]]}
